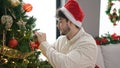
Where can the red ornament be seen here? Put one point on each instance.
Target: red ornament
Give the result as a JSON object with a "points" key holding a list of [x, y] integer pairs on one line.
{"points": [[34, 45], [13, 43], [27, 7], [37, 43]]}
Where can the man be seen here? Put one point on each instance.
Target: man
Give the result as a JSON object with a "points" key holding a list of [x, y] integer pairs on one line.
{"points": [[74, 48]]}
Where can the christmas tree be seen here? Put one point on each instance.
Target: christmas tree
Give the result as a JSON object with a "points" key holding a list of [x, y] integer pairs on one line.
{"points": [[18, 45]]}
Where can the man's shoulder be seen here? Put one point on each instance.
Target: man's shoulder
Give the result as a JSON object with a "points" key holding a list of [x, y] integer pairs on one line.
{"points": [[62, 37], [86, 37]]}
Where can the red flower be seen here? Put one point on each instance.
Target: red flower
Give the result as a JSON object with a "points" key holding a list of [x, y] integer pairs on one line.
{"points": [[98, 42], [118, 37], [104, 40], [114, 36]]}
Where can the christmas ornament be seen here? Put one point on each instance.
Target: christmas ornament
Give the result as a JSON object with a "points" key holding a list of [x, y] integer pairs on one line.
{"points": [[24, 33], [34, 45], [18, 30], [25, 61], [7, 20], [3, 60], [27, 7], [113, 16], [13, 43], [14, 3], [37, 43], [21, 24]]}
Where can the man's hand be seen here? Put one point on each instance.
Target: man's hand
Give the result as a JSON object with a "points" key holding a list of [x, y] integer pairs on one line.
{"points": [[41, 37]]}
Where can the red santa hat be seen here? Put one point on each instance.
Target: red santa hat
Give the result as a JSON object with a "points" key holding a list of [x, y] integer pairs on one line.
{"points": [[73, 12]]}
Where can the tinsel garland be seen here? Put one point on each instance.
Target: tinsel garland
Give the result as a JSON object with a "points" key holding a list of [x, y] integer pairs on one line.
{"points": [[13, 53]]}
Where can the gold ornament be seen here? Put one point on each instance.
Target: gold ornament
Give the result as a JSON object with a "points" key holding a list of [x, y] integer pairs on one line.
{"points": [[25, 61], [3, 60], [18, 30], [21, 23], [9, 30], [7, 20], [14, 3]]}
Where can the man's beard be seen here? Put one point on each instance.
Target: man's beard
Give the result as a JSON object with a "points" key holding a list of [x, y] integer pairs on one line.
{"points": [[66, 31]]}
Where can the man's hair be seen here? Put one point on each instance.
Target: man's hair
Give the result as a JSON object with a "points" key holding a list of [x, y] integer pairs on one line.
{"points": [[61, 14]]}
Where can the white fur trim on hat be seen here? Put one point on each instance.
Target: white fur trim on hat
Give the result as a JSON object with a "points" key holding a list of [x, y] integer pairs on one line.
{"points": [[70, 17]]}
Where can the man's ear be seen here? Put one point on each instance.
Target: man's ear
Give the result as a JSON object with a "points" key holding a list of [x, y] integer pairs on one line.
{"points": [[69, 23]]}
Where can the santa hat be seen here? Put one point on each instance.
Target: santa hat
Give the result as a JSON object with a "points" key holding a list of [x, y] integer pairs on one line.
{"points": [[73, 12]]}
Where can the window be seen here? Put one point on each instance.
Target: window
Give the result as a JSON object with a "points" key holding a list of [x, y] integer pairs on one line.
{"points": [[44, 11], [105, 23]]}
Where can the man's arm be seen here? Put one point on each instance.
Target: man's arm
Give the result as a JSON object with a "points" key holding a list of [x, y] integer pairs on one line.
{"points": [[80, 56]]}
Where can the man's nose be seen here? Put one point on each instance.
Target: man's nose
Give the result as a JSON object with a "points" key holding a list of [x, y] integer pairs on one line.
{"points": [[58, 25]]}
